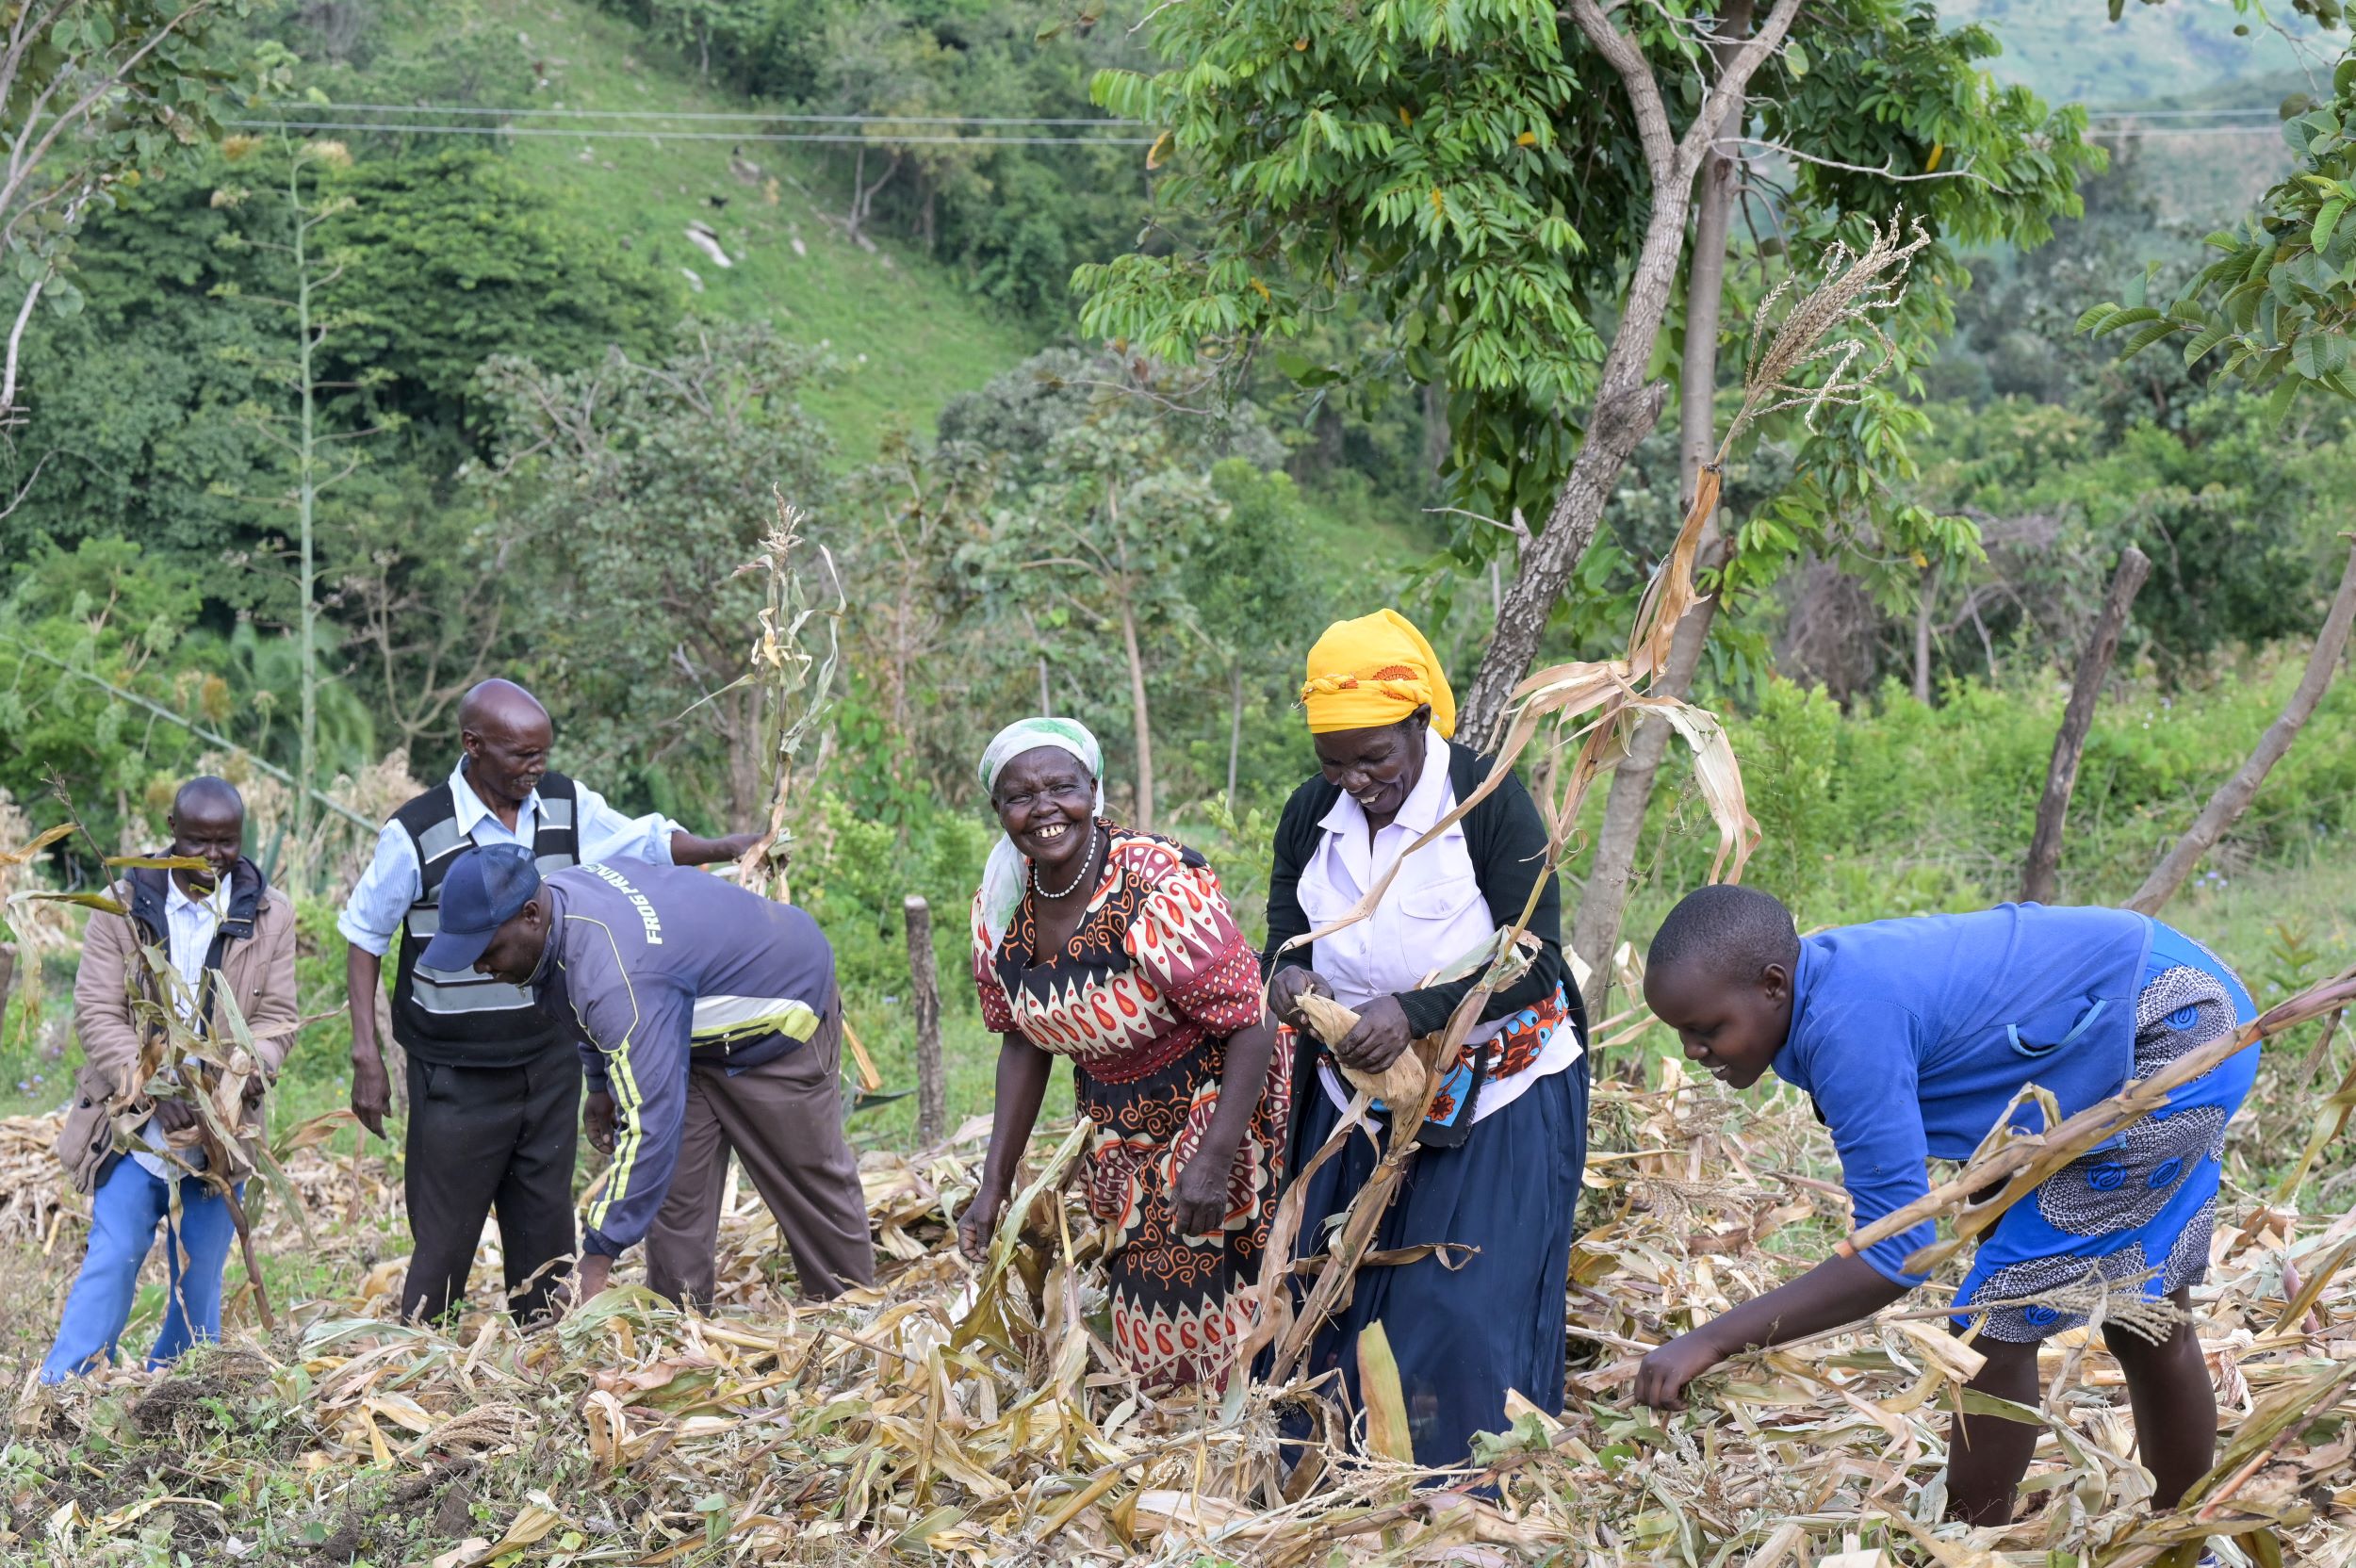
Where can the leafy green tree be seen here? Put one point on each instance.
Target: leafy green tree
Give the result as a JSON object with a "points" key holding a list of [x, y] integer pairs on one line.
{"points": [[1091, 552], [1500, 188], [448, 259], [453, 257], [1529, 205], [636, 488], [2278, 304], [93, 95], [1254, 593], [904, 524]]}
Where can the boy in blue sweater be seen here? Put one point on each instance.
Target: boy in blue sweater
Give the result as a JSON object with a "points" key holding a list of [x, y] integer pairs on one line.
{"points": [[1912, 1036]]}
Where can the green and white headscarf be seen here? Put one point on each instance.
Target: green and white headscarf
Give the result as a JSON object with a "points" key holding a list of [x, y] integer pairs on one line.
{"points": [[1002, 877]]}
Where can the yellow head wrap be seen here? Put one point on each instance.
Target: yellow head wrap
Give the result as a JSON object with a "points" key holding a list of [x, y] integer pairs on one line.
{"points": [[1375, 670]]}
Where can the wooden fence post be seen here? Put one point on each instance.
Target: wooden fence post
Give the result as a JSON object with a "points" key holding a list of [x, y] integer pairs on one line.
{"points": [[932, 1088], [2040, 879]]}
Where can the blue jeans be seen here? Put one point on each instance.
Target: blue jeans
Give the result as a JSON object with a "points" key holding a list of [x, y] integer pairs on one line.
{"points": [[125, 1212]]}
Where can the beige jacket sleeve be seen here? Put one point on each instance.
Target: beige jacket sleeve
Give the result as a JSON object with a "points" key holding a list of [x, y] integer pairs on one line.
{"points": [[102, 997], [271, 1016]]}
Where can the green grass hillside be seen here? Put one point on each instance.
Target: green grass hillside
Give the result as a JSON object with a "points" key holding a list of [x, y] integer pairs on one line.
{"points": [[2069, 51], [909, 333]]}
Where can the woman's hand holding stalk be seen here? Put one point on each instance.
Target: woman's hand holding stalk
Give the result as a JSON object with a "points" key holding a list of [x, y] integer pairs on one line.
{"points": [[1023, 1070]]}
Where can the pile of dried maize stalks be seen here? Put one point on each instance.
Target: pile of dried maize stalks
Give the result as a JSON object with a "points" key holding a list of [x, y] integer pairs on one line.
{"points": [[971, 1412]]}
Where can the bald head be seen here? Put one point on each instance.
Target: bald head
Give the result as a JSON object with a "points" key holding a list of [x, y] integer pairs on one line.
{"points": [[499, 702], [207, 823], [507, 735]]}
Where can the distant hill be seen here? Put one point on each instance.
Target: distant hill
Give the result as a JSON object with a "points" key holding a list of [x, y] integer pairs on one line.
{"points": [[909, 332], [2069, 51], [2181, 63]]}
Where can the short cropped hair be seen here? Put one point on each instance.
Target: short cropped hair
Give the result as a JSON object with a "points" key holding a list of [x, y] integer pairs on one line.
{"points": [[1736, 931], [207, 789]]}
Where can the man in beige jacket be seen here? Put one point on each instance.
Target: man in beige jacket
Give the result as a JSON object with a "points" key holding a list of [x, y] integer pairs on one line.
{"points": [[223, 929]]}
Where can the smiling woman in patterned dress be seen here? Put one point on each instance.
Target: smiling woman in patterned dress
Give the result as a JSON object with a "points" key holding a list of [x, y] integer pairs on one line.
{"points": [[1115, 948]]}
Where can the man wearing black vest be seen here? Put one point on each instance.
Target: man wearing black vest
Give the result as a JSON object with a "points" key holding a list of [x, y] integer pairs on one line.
{"points": [[494, 1089]]}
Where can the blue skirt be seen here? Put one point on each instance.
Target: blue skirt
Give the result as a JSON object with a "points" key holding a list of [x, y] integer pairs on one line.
{"points": [[2141, 1207], [1465, 1335]]}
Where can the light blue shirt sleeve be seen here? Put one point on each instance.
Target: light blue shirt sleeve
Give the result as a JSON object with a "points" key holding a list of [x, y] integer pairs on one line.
{"points": [[380, 900], [605, 834]]}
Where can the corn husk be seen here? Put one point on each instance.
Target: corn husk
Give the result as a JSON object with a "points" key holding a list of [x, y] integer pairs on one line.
{"points": [[1400, 1083]]}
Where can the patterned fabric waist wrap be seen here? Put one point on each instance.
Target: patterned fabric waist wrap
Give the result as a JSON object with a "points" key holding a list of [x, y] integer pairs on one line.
{"points": [[1487, 1074]]}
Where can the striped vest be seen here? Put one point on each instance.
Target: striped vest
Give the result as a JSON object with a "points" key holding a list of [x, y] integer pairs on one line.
{"points": [[465, 1019]]}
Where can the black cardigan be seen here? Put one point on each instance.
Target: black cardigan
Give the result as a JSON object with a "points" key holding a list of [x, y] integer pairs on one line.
{"points": [[1507, 843]]}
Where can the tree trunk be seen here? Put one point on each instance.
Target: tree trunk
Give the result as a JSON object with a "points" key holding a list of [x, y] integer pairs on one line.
{"points": [[932, 1085], [305, 499], [749, 790], [1235, 732], [2040, 877], [1141, 719], [1595, 929], [1046, 699], [2233, 797], [1435, 431], [1922, 606], [1627, 406], [7, 975]]}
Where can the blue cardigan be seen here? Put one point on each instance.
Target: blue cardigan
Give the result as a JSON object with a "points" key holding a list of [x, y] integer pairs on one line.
{"points": [[1911, 1036]]}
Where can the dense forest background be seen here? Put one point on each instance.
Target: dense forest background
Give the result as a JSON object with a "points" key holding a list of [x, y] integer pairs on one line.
{"points": [[583, 294]]}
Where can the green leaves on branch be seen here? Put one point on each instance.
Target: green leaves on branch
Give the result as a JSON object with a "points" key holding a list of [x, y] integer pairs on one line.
{"points": [[1429, 161], [2276, 304]]}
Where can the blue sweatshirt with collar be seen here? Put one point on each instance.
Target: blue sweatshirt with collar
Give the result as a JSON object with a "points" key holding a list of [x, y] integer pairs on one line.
{"points": [[651, 969], [1912, 1035]]}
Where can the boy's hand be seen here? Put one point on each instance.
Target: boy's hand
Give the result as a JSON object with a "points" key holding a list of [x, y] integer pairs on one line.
{"points": [[1661, 1379]]}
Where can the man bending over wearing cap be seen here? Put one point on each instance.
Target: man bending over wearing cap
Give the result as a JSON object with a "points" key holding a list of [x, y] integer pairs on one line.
{"points": [[707, 1021], [492, 1089]]}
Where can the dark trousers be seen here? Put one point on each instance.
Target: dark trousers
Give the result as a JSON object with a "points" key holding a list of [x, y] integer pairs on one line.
{"points": [[784, 1119], [486, 1138]]}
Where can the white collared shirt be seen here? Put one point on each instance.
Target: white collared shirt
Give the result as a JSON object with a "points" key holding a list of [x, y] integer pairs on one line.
{"points": [[189, 925], [380, 901], [188, 928], [1432, 915]]}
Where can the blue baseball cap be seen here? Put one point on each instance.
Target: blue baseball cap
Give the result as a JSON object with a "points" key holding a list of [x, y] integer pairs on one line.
{"points": [[481, 892]]}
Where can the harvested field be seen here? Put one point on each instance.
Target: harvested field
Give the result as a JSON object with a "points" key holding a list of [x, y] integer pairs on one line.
{"points": [[974, 1414]]}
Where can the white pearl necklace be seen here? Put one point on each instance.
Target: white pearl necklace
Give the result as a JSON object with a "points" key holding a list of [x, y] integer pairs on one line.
{"points": [[1087, 862]]}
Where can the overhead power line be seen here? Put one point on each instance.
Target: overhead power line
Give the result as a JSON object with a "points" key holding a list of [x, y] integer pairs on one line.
{"points": [[745, 115], [2195, 132], [2180, 114], [607, 134]]}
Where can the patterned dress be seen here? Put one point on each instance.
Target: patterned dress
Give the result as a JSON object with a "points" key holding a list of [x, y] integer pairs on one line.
{"points": [[2138, 1212], [1143, 1000]]}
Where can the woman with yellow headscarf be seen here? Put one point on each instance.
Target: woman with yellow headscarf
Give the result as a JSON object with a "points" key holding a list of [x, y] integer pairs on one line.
{"points": [[1498, 1158]]}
